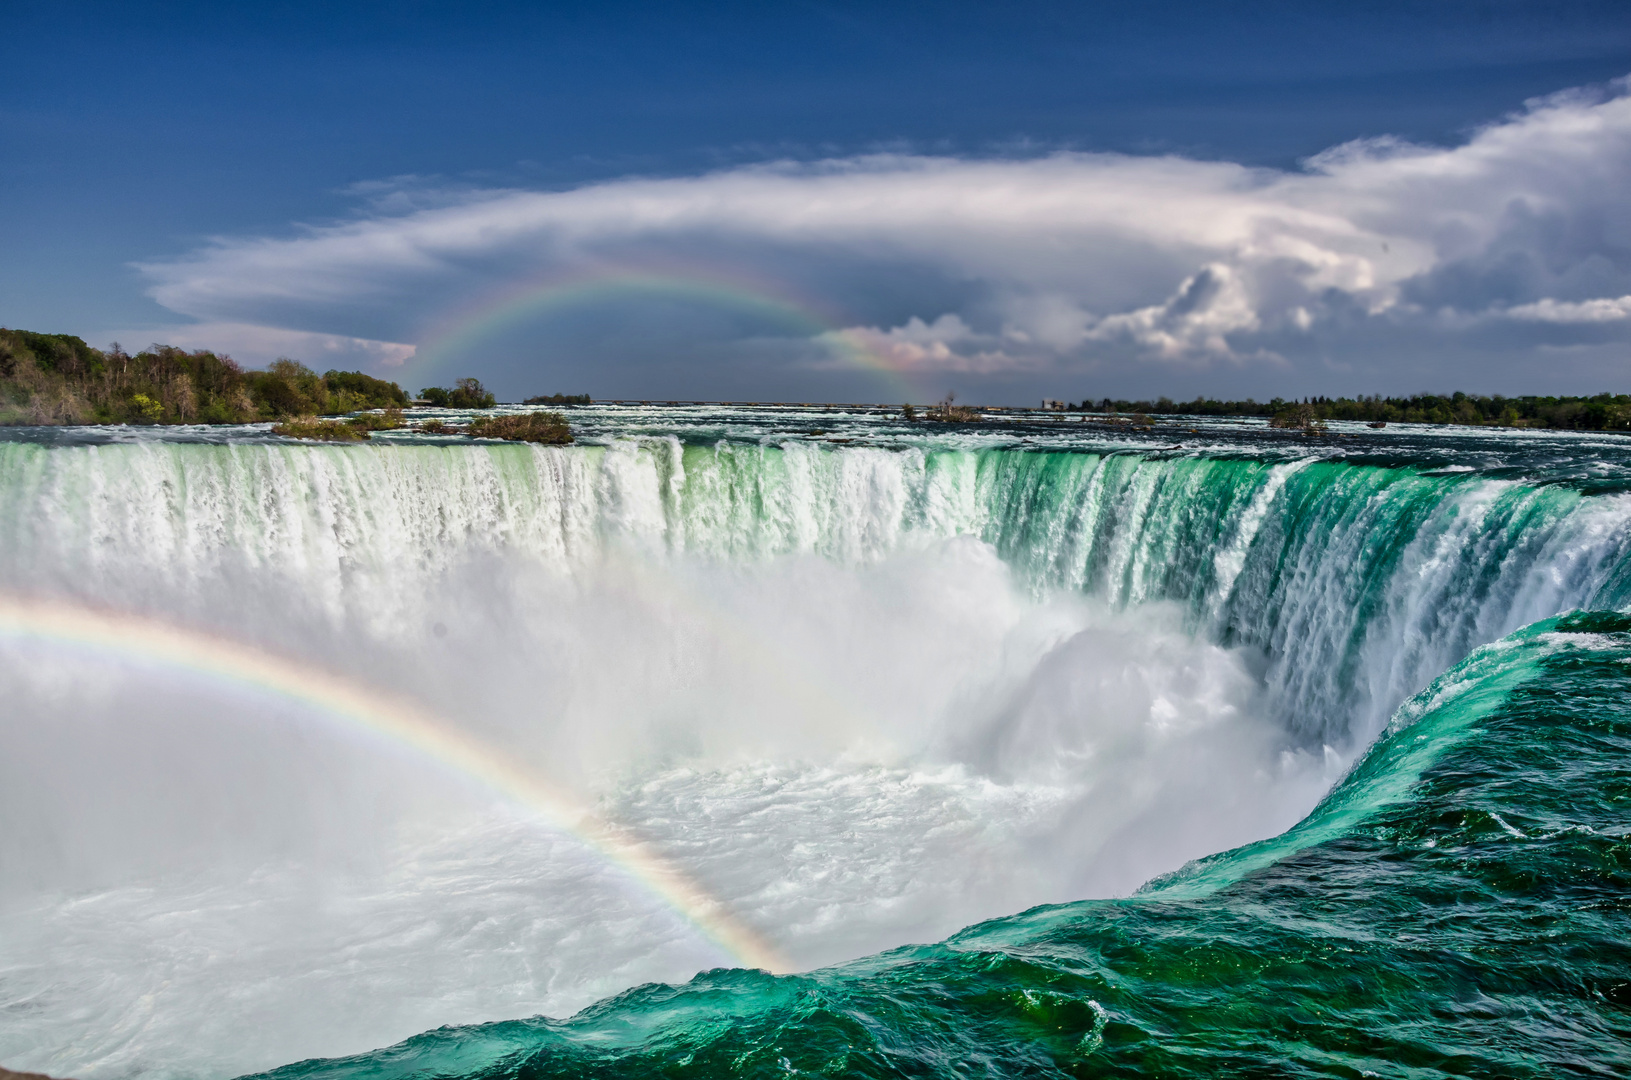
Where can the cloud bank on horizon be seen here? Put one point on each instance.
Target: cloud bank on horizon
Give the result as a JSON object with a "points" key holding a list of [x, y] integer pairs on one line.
{"points": [[1501, 264]]}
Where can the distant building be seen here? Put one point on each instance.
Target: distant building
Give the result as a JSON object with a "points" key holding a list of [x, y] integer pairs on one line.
{"points": [[1051, 405]]}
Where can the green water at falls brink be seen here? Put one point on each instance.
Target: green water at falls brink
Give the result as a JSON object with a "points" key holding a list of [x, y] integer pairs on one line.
{"points": [[1453, 907], [1359, 584]]}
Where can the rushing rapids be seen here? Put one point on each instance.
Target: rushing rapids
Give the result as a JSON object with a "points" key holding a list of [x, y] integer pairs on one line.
{"points": [[866, 685]]}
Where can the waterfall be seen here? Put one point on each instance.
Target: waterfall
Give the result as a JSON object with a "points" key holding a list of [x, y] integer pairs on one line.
{"points": [[862, 695], [1359, 583]]}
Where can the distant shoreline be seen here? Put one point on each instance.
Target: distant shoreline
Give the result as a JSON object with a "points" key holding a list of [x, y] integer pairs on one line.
{"points": [[57, 379], [1602, 412]]}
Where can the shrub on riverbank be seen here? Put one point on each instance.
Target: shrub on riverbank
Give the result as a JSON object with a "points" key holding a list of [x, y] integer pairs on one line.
{"points": [[538, 427], [389, 420], [311, 427], [1300, 416]]}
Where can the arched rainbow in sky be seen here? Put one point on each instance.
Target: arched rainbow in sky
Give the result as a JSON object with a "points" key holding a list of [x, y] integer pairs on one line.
{"points": [[465, 333], [342, 700]]}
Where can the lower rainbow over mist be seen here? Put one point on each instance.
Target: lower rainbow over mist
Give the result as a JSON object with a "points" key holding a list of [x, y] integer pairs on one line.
{"points": [[388, 716]]}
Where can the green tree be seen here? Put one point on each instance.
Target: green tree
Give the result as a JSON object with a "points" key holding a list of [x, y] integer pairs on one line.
{"points": [[362, 392], [288, 388], [147, 409], [470, 394]]}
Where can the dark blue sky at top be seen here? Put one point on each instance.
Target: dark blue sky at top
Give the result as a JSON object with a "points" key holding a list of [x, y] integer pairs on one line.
{"points": [[136, 131]]}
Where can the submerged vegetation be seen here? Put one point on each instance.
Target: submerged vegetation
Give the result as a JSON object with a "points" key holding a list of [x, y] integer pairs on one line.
{"points": [[59, 379], [1602, 412]]}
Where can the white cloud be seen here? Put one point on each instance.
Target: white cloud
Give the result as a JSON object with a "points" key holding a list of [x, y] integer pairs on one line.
{"points": [[948, 344], [1056, 261], [1582, 311], [1194, 323]]}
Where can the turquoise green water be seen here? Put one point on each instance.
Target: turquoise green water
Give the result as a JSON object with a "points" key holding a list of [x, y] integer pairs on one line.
{"points": [[1457, 907]]}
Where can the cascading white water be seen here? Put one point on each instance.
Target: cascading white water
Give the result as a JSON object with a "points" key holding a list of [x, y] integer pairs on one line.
{"points": [[867, 695]]}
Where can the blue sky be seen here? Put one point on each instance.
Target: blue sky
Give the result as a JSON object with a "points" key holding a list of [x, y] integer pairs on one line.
{"points": [[836, 201]]}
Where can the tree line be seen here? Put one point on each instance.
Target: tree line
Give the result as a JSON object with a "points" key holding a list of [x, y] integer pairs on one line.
{"points": [[1601, 412], [59, 379]]}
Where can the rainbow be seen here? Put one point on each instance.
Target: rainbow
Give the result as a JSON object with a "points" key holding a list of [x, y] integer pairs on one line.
{"points": [[466, 332], [401, 721]]}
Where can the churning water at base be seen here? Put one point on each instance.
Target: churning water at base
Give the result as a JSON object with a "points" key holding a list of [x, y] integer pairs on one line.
{"points": [[865, 688]]}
